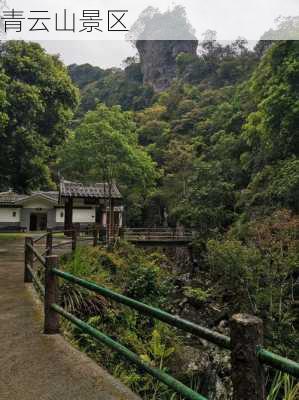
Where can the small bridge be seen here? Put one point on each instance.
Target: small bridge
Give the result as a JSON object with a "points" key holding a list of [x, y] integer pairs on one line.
{"points": [[157, 237], [43, 366]]}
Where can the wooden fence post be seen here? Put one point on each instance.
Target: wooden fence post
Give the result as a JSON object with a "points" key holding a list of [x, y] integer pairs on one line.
{"points": [[51, 323], [28, 260], [74, 239], [49, 242], [95, 237], [247, 372]]}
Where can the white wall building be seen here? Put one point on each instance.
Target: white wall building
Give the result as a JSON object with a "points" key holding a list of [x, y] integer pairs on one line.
{"points": [[41, 210]]}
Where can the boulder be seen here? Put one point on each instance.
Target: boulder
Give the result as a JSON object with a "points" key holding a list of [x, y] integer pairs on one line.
{"points": [[158, 60]]}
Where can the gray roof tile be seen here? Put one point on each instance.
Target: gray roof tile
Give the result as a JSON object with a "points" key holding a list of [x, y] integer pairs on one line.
{"points": [[67, 189], [11, 198], [80, 190]]}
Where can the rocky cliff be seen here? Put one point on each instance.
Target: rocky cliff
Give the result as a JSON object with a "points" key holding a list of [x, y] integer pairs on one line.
{"points": [[158, 60]]}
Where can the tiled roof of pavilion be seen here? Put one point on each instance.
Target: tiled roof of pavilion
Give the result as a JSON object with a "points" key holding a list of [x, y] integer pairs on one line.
{"points": [[80, 190]]}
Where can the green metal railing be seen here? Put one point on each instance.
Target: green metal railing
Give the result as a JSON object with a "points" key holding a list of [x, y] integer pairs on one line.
{"points": [[171, 382], [280, 363], [264, 356], [160, 375], [187, 326]]}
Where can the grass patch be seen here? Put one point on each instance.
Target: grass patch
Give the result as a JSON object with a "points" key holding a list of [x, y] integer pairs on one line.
{"points": [[12, 236], [22, 235]]}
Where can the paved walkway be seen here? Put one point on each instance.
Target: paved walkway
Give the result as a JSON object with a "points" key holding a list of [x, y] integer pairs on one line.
{"points": [[34, 366]]}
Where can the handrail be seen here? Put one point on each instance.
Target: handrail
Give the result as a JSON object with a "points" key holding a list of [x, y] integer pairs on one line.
{"points": [[156, 234], [49, 235], [278, 362], [153, 229], [155, 372], [40, 258], [58, 245], [40, 238], [46, 251], [156, 231], [83, 239], [266, 357], [36, 280], [257, 354], [156, 237], [187, 326], [63, 231]]}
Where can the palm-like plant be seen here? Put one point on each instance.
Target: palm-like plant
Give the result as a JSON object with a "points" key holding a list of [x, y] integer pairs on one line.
{"points": [[80, 302]]}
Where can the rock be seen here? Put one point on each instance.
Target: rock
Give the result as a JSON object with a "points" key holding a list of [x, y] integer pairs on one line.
{"points": [[206, 369], [190, 360], [158, 60], [181, 280], [223, 327]]}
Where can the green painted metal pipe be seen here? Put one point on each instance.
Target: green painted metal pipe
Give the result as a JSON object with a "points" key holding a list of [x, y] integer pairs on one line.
{"points": [[161, 315], [265, 356], [155, 372], [281, 363]]}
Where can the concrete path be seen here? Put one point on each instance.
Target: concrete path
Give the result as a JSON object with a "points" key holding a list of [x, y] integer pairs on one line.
{"points": [[34, 366]]}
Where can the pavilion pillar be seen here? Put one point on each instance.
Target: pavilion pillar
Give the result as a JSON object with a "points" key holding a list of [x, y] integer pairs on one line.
{"points": [[113, 220], [68, 213]]}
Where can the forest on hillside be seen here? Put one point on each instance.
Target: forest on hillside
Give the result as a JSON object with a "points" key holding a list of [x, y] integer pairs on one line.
{"points": [[216, 152], [222, 142]]}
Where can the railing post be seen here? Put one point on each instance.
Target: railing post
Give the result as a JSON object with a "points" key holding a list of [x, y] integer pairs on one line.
{"points": [[74, 239], [49, 242], [247, 372], [51, 323], [95, 237], [28, 260]]}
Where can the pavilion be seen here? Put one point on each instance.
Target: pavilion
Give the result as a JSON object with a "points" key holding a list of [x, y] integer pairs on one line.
{"points": [[101, 196]]}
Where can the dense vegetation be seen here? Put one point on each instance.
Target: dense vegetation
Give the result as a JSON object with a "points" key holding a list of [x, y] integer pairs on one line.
{"points": [[217, 152], [114, 86], [224, 138], [36, 102], [139, 276], [150, 277]]}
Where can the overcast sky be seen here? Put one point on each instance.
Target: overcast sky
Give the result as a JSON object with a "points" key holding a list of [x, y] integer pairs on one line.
{"points": [[230, 18], [101, 53]]}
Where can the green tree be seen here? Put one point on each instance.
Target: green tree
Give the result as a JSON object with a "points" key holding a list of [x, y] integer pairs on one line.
{"points": [[271, 130], [113, 86], [104, 147], [37, 99]]}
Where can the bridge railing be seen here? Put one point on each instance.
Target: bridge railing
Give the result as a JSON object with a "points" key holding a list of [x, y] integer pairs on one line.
{"points": [[156, 234], [245, 344]]}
